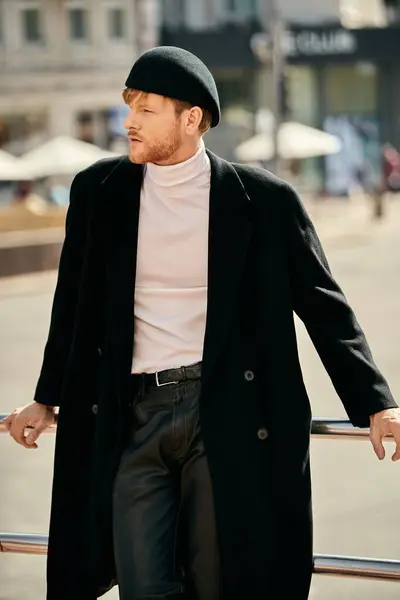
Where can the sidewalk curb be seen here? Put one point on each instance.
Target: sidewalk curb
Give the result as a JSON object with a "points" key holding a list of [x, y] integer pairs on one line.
{"points": [[34, 251]]}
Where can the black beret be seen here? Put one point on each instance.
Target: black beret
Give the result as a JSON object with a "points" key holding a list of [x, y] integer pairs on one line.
{"points": [[176, 73]]}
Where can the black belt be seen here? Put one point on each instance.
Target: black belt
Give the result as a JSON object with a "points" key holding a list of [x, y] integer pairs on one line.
{"points": [[170, 376]]}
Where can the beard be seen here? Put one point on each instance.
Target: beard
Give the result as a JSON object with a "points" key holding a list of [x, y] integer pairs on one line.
{"points": [[158, 151]]}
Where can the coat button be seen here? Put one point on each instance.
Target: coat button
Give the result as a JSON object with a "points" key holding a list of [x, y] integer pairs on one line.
{"points": [[262, 433], [95, 409], [249, 375], [99, 351]]}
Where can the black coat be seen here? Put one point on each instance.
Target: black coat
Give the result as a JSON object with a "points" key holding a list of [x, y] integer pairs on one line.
{"points": [[265, 261]]}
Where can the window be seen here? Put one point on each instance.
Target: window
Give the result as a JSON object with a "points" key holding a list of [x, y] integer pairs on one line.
{"points": [[174, 13], [242, 8], [31, 25], [393, 10], [234, 87], [351, 89], [78, 24], [116, 29]]}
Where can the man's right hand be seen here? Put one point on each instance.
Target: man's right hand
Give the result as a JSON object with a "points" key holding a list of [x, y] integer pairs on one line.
{"points": [[37, 417]]}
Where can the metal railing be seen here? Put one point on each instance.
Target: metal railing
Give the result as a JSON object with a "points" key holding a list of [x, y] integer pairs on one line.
{"points": [[324, 564]]}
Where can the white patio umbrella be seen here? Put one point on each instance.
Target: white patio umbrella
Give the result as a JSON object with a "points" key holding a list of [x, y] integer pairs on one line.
{"points": [[63, 156], [295, 140], [12, 168]]}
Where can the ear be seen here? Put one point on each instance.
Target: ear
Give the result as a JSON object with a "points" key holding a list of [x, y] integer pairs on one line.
{"points": [[193, 120]]}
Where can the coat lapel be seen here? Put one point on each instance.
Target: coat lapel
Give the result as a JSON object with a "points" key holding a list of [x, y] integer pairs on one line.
{"points": [[122, 197], [229, 236]]}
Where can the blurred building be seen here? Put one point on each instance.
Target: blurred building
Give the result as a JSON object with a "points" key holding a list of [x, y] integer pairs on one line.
{"points": [[342, 70], [63, 64], [221, 32]]}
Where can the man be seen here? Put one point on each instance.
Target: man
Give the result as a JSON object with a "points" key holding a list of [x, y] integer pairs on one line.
{"points": [[182, 454]]}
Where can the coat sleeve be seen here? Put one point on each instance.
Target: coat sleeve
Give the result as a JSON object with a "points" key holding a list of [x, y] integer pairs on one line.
{"points": [[330, 321], [49, 386]]}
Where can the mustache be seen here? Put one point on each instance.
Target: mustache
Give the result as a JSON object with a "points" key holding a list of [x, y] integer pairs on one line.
{"points": [[133, 135]]}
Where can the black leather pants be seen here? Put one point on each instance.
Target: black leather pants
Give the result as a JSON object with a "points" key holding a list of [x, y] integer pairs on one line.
{"points": [[163, 516]]}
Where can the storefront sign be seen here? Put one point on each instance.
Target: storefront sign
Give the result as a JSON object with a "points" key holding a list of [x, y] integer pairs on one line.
{"points": [[319, 43], [238, 47], [307, 43]]}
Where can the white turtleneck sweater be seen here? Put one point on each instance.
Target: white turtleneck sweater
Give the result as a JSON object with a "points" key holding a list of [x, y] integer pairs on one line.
{"points": [[172, 261]]}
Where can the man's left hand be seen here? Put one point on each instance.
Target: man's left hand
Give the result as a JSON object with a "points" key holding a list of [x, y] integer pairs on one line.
{"points": [[384, 423]]}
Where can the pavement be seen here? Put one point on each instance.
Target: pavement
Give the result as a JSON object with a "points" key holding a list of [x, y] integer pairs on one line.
{"points": [[338, 218], [356, 497]]}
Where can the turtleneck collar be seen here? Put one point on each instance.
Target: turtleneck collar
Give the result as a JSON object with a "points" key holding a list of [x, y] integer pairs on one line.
{"points": [[189, 171]]}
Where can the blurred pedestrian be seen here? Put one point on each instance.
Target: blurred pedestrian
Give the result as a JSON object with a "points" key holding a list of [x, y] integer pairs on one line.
{"points": [[389, 182], [182, 456], [23, 190], [391, 168], [26, 199]]}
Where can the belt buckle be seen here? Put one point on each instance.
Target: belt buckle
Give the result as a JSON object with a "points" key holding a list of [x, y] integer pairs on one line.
{"points": [[163, 384]]}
